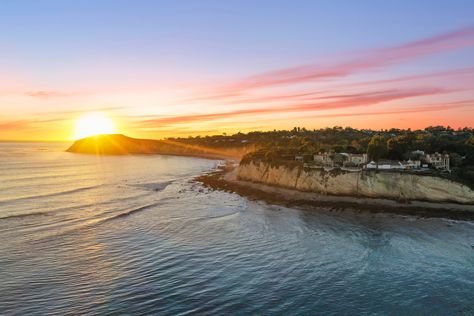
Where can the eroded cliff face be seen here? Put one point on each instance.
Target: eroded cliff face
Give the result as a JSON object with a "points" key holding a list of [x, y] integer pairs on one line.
{"points": [[392, 185]]}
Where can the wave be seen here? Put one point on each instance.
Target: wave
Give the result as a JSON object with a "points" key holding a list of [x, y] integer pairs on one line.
{"points": [[73, 207], [20, 216], [154, 186], [34, 197], [130, 212], [16, 179], [96, 222]]}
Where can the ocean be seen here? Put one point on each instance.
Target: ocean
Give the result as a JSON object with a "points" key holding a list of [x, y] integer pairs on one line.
{"points": [[91, 235]]}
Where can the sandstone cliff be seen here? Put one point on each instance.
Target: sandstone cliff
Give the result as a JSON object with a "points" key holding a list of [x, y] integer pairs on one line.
{"points": [[391, 185]]}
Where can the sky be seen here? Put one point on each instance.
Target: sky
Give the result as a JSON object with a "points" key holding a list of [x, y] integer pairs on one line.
{"points": [[179, 68]]}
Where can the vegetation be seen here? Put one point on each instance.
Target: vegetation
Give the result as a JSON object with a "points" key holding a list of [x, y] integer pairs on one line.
{"points": [[281, 145]]}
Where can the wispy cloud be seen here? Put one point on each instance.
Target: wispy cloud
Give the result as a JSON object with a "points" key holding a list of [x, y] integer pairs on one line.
{"points": [[364, 61], [335, 102], [46, 94], [14, 125], [421, 109], [405, 79], [27, 123]]}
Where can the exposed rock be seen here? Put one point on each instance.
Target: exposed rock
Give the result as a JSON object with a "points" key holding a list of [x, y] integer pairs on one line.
{"points": [[391, 185]]}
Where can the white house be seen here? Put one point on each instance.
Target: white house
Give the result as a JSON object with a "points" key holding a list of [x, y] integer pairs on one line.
{"points": [[385, 165], [358, 159], [411, 164], [418, 152]]}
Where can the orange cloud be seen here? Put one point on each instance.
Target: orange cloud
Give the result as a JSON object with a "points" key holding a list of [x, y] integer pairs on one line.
{"points": [[14, 125]]}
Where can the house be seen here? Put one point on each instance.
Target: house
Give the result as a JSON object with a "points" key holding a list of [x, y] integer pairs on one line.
{"points": [[358, 159], [411, 164], [385, 165], [323, 159], [418, 152], [438, 161], [340, 159]]}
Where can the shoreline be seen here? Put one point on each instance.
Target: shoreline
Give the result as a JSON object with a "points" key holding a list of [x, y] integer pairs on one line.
{"points": [[226, 180], [190, 155]]}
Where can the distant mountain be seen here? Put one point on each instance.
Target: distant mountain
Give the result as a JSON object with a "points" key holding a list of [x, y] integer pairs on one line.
{"points": [[118, 144]]}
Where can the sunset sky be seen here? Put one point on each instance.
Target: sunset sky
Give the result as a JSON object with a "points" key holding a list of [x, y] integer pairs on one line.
{"points": [[178, 68]]}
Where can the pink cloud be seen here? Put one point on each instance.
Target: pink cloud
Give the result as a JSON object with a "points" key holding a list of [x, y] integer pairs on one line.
{"points": [[431, 108], [341, 101], [45, 94], [362, 62], [448, 73]]}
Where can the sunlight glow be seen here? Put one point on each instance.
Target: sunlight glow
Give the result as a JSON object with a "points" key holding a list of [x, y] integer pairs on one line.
{"points": [[93, 124]]}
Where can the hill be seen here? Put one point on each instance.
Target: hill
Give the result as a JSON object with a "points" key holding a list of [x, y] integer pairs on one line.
{"points": [[118, 144]]}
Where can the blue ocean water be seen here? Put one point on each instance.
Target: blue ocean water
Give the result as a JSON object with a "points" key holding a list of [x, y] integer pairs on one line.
{"points": [[93, 235]]}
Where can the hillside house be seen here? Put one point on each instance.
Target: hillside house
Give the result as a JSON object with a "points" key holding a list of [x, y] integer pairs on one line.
{"points": [[358, 159], [438, 161], [323, 159], [411, 164], [385, 165], [340, 159]]}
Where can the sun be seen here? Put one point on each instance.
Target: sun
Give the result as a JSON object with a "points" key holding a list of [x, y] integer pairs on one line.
{"points": [[94, 123]]}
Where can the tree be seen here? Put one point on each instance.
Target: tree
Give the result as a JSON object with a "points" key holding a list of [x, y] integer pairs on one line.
{"points": [[377, 147], [398, 146]]}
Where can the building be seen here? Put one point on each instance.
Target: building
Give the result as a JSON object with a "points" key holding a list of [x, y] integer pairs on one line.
{"points": [[358, 159], [411, 164], [385, 165], [418, 152], [340, 159], [438, 161], [323, 159]]}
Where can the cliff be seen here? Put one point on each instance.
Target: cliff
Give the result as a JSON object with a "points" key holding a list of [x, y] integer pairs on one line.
{"points": [[390, 185], [117, 144]]}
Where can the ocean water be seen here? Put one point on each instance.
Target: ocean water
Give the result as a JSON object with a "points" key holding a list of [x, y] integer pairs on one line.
{"points": [[135, 235]]}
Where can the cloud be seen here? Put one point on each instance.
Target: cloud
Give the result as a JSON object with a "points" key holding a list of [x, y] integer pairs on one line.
{"points": [[83, 110], [336, 102], [45, 94], [423, 109], [365, 61], [14, 125], [455, 72]]}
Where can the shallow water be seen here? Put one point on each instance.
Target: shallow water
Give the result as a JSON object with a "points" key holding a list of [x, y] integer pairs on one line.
{"points": [[89, 235]]}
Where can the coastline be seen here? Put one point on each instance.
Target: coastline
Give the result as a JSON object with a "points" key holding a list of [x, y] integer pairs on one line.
{"points": [[191, 155], [225, 179]]}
